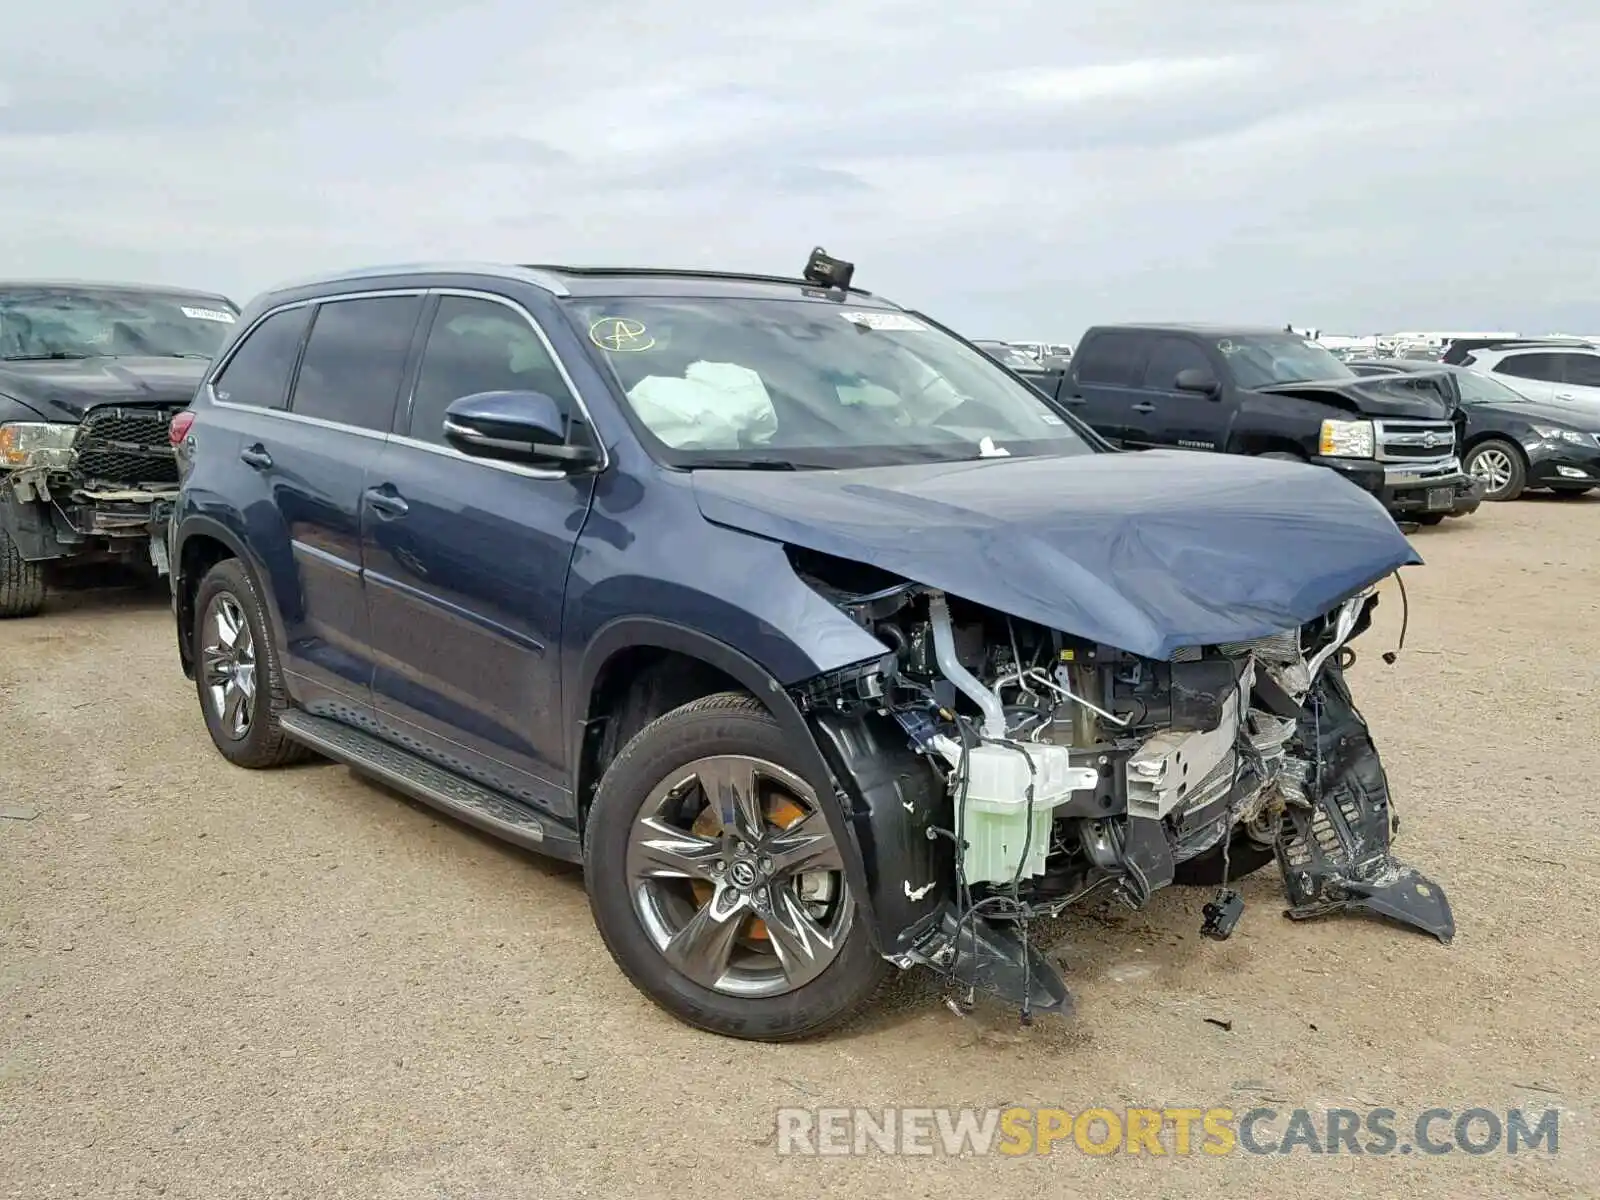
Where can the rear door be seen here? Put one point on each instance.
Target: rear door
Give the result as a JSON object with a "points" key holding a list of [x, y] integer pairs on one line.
{"points": [[466, 563], [1165, 416], [313, 465], [1105, 391]]}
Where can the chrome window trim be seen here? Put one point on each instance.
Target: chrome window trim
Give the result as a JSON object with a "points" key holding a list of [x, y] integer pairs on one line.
{"points": [[527, 472], [549, 348]]}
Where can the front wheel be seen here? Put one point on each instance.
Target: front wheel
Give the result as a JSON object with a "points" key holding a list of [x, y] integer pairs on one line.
{"points": [[716, 882], [1570, 493], [1497, 464], [21, 582]]}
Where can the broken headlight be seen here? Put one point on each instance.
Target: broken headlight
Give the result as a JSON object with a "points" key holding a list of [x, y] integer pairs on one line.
{"points": [[1554, 433], [1347, 439], [44, 444]]}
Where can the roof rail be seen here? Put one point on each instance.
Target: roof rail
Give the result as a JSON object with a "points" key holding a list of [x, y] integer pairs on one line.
{"points": [[676, 273]]}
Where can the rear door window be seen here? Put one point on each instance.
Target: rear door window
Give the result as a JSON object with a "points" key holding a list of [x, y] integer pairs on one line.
{"points": [[1111, 358], [1583, 370], [355, 359], [258, 372]]}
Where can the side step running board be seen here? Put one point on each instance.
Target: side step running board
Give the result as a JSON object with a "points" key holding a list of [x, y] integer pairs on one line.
{"points": [[450, 793]]}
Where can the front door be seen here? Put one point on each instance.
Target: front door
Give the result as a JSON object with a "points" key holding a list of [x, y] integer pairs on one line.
{"points": [[1172, 417], [466, 566]]}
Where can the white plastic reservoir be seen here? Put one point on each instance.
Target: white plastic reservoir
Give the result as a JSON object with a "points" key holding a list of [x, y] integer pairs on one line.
{"points": [[1003, 832]]}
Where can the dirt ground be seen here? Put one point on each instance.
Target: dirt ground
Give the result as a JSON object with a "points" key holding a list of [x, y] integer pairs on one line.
{"points": [[218, 983]]}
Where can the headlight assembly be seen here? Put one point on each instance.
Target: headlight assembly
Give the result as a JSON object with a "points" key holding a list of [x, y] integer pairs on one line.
{"points": [[36, 444], [1551, 433], [1347, 439]]}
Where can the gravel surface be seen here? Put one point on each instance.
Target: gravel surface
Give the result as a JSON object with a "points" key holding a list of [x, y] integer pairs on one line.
{"points": [[219, 983]]}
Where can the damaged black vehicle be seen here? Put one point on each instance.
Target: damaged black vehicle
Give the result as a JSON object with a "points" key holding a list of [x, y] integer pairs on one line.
{"points": [[90, 376], [825, 644]]}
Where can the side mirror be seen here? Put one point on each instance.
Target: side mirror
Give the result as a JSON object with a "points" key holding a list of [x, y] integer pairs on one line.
{"points": [[522, 427], [1197, 379]]}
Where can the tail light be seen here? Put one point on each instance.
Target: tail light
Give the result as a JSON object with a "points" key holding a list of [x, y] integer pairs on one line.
{"points": [[178, 428]]}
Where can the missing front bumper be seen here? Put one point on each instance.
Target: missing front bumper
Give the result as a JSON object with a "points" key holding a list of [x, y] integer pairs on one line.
{"points": [[1334, 850]]}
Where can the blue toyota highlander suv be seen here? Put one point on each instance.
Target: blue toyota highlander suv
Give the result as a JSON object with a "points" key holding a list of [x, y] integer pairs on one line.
{"points": [[820, 639]]}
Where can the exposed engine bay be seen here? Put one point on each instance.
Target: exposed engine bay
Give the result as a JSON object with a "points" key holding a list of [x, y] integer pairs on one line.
{"points": [[1063, 769]]}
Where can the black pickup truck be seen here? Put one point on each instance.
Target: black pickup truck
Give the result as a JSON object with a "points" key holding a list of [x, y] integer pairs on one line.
{"points": [[1273, 394], [90, 377]]}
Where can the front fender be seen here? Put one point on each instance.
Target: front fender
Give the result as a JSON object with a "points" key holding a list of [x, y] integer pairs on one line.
{"points": [[862, 769]]}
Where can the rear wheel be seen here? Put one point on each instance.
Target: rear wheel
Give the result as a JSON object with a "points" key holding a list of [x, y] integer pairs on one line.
{"points": [[1497, 464], [21, 582], [1571, 493], [716, 882], [236, 671], [1282, 456]]}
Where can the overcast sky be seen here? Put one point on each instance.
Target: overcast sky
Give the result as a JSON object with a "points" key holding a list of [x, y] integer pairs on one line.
{"points": [[1017, 169]]}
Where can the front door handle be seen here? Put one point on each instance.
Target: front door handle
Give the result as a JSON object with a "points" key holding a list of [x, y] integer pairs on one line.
{"points": [[386, 501], [1143, 407], [1073, 400], [1565, 396], [256, 456]]}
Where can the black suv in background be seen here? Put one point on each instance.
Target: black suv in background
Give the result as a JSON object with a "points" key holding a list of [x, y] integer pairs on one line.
{"points": [[1270, 393], [90, 376]]}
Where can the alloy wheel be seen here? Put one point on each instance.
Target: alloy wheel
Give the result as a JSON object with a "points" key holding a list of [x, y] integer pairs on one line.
{"points": [[228, 661], [736, 878], [1493, 468]]}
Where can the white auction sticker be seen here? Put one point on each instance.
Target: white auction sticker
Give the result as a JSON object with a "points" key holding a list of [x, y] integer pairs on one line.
{"points": [[207, 314], [887, 321]]}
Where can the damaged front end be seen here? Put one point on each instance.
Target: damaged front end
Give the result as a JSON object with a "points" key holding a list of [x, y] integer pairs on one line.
{"points": [[996, 772], [101, 490]]}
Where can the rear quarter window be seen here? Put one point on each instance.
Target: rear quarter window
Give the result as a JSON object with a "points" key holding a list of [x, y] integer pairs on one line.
{"points": [[257, 373]]}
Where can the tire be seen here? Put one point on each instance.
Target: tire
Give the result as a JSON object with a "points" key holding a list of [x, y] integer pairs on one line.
{"points": [[1570, 493], [21, 582], [1281, 456], [1498, 464], [1245, 857], [641, 917], [261, 743], [1429, 518]]}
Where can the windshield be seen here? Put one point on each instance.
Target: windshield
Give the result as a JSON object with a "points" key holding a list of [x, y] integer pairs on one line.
{"points": [[1480, 389], [45, 323], [735, 382], [1262, 360]]}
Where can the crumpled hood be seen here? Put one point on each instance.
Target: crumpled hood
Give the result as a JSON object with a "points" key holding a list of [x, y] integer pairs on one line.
{"points": [[1146, 551], [63, 390], [1417, 396]]}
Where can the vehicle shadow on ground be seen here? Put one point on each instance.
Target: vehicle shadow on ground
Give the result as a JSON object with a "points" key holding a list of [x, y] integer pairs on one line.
{"points": [[1560, 501], [1104, 940], [97, 589]]}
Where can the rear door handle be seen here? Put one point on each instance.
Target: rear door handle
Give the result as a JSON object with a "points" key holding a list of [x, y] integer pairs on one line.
{"points": [[1565, 396], [1073, 400], [256, 456], [1143, 407], [386, 501]]}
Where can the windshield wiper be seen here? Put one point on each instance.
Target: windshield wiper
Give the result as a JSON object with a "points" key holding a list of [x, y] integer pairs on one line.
{"points": [[53, 356], [744, 464]]}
